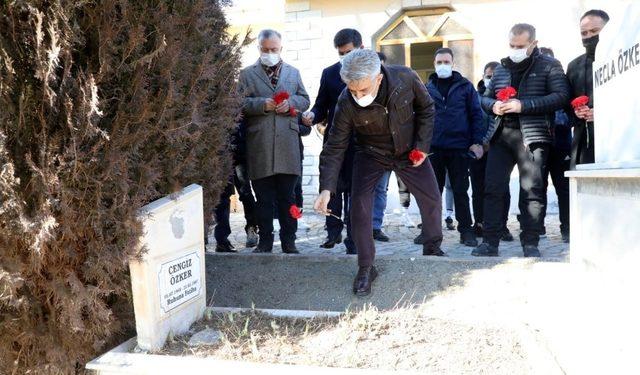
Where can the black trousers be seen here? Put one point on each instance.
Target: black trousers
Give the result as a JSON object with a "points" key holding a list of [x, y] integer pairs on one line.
{"points": [[456, 162], [558, 163], [583, 146], [507, 151], [276, 191], [422, 185], [239, 181], [477, 170], [298, 193]]}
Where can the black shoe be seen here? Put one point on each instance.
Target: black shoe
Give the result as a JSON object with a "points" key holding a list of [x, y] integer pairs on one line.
{"points": [[351, 251], [289, 248], [477, 229], [485, 250], [506, 236], [252, 236], [531, 251], [468, 239], [364, 279], [449, 223], [419, 240], [432, 250], [225, 247], [565, 237], [329, 243], [379, 235], [264, 247]]}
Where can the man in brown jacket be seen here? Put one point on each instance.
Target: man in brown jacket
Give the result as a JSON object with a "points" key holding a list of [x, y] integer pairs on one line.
{"points": [[390, 112]]}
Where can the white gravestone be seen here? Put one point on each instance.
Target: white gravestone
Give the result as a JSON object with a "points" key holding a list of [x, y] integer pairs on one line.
{"points": [[616, 77], [168, 283], [605, 207]]}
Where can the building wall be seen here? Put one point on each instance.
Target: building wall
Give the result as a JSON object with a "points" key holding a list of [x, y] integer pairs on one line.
{"points": [[308, 28]]}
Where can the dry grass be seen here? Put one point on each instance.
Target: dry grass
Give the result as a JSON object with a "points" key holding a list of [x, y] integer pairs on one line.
{"points": [[402, 339]]}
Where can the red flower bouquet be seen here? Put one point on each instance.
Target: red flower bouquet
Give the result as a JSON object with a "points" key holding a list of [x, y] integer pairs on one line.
{"points": [[280, 97], [506, 93], [415, 155], [580, 101], [295, 212]]}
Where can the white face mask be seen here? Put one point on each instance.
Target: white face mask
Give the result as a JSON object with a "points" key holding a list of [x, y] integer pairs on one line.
{"points": [[518, 55], [366, 100], [487, 81], [444, 70], [270, 59]]}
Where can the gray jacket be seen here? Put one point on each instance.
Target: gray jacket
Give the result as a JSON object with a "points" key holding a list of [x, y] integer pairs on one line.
{"points": [[273, 143]]}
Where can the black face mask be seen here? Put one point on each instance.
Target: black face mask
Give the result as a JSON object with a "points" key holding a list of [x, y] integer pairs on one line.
{"points": [[590, 44]]}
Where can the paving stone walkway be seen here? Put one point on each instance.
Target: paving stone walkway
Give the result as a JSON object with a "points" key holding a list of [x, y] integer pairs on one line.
{"points": [[401, 239]]}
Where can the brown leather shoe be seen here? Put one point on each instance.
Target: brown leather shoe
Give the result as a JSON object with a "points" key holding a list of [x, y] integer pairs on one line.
{"points": [[363, 280]]}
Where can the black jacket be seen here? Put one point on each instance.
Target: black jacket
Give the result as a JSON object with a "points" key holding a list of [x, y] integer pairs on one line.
{"points": [[544, 88], [580, 74], [331, 86], [408, 114]]}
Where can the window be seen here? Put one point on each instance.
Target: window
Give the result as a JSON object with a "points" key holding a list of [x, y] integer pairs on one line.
{"points": [[412, 38]]}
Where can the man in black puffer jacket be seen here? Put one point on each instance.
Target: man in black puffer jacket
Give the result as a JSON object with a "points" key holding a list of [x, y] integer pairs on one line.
{"points": [[521, 134]]}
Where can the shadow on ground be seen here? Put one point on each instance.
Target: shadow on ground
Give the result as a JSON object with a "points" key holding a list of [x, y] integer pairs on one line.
{"points": [[276, 281]]}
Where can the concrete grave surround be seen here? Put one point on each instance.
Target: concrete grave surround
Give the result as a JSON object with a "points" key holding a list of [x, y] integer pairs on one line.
{"points": [[168, 284]]}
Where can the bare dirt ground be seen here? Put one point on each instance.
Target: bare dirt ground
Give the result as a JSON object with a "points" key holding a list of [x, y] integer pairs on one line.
{"points": [[437, 316], [403, 339]]}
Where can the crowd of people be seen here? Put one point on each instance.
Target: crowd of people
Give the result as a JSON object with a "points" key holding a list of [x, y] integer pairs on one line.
{"points": [[446, 133]]}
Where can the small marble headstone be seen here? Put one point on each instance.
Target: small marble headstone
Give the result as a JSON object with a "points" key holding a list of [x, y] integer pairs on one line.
{"points": [[168, 284]]}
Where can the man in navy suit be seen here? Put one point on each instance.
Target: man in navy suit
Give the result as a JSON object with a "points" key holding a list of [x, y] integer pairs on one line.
{"points": [[331, 86]]}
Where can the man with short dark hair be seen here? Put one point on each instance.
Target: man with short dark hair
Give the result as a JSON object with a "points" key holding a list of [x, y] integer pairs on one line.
{"points": [[457, 135], [390, 112], [521, 135], [559, 162], [580, 74], [345, 41], [478, 168]]}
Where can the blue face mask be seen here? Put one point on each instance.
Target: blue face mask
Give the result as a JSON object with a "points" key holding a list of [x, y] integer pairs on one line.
{"points": [[444, 70]]}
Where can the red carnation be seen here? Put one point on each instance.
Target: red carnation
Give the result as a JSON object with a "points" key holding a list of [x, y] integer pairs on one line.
{"points": [[415, 155], [506, 93], [280, 97], [293, 112], [295, 212], [580, 101]]}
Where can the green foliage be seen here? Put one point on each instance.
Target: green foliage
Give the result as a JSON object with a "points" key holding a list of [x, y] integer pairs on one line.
{"points": [[105, 105]]}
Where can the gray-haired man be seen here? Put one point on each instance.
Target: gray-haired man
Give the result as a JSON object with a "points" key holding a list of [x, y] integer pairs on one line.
{"points": [[273, 142], [390, 112]]}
